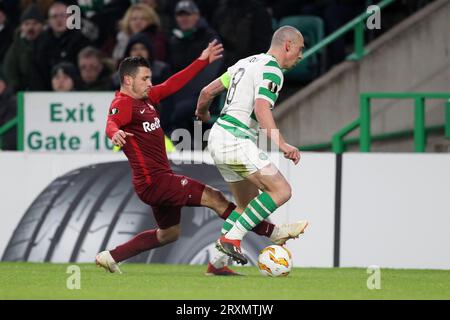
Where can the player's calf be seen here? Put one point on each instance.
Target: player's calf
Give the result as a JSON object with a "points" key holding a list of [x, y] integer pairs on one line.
{"points": [[168, 235]]}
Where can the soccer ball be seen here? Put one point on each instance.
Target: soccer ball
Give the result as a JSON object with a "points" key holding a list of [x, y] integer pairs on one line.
{"points": [[274, 261]]}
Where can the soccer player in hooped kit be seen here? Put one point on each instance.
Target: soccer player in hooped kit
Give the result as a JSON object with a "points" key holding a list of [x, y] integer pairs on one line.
{"points": [[252, 85], [134, 125]]}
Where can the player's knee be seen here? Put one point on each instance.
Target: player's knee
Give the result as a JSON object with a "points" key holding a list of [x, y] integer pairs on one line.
{"points": [[287, 192], [213, 197], [216, 194], [284, 193]]}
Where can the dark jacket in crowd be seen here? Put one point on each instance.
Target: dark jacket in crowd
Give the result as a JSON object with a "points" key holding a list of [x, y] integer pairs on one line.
{"points": [[248, 35], [18, 66], [103, 82], [186, 47], [52, 49], [158, 40], [183, 49]]}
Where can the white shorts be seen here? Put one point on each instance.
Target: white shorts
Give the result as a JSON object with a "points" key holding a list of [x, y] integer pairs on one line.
{"points": [[236, 158]]}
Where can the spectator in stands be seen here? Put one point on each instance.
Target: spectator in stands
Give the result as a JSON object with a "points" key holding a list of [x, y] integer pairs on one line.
{"points": [[100, 19], [206, 7], [57, 43], [43, 5], [18, 64], [141, 18], [140, 45], [65, 77], [164, 16], [249, 34], [6, 33], [94, 70], [151, 3], [187, 42], [191, 35]]}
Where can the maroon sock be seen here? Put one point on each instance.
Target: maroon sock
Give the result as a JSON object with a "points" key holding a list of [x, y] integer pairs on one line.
{"points": [[228, 210], [142, 242], [264, 228]]}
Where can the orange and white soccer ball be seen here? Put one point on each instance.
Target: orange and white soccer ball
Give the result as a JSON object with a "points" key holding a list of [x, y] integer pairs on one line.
{"points": [[275, 261]]}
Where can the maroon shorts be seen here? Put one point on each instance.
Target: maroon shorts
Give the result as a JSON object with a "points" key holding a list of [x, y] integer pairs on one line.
{"points": [[168, 193]]}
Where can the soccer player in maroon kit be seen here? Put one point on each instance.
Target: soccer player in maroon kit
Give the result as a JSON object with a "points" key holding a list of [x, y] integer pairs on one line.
{"points": [[134, 125]]}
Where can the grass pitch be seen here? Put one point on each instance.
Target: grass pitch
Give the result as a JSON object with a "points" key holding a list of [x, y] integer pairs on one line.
{"points": [[140, 281]]}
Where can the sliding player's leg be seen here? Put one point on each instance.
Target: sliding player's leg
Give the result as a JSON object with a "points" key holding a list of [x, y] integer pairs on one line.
{"points": [[168, 220]]}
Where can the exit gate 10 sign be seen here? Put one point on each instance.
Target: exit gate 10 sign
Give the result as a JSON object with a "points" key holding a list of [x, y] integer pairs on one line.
{"points": [[66, 121]]}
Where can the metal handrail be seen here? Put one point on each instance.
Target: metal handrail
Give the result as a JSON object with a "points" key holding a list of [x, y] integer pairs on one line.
{"points": [[364, 120]]}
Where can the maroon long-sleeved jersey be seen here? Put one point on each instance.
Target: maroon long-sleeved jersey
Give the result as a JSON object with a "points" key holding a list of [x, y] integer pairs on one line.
{"points": [[146, 150]]}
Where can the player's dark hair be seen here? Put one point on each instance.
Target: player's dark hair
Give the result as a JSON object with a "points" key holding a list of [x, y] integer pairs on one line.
{"points": [[129, 66]]}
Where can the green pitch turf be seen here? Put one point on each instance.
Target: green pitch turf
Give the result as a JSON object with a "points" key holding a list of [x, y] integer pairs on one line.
{"points": [[140, 281]]}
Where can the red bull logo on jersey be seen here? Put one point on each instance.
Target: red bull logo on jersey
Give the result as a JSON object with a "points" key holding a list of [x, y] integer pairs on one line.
{"points": [[151, 126]]}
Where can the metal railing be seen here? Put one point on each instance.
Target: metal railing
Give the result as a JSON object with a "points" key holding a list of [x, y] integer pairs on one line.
{"points": [[363, 122]]}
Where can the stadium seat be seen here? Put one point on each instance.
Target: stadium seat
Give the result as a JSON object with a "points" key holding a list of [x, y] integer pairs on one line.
{"points": [[312, 28]]}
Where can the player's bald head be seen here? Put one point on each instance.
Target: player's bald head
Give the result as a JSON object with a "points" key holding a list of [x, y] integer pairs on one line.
{"points": [[285, 33]]}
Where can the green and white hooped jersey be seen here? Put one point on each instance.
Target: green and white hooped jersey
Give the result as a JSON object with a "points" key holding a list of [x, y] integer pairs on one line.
{"points": [[257, 76]]}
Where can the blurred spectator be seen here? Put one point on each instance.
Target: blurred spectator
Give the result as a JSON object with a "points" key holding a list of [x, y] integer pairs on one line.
{"points": [[186, 44], [100, 19], [165, 17], [57, 43], [151, 3], [190, 37], [141, 18], [140, 45], [18, 64], [206, 7], [250, 34], [65, 77], [43, 5], [95, 72], [6, 33]]}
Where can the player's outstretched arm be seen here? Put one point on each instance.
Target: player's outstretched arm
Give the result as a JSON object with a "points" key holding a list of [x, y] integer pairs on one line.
{"points": [[212, 53], [206, 97], [267, 123]]}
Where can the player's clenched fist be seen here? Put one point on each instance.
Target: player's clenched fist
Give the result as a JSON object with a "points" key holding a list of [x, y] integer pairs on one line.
{"points": [[291, 153], [119, 138]]}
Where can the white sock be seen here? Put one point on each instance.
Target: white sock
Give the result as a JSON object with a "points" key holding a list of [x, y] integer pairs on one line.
{"points": [[237, 232]]}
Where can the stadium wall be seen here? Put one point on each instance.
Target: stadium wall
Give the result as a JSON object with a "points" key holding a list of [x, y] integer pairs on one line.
{"points": [[412, 56], [394, 208]]}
